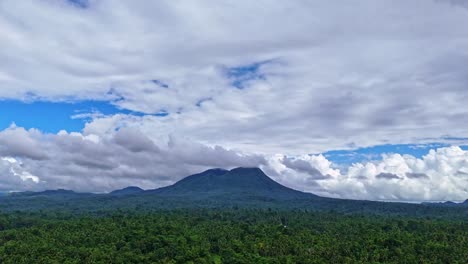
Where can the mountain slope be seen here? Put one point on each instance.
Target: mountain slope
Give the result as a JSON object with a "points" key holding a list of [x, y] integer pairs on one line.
{"points": [[239, 182], [127, 191], [59, 193]]}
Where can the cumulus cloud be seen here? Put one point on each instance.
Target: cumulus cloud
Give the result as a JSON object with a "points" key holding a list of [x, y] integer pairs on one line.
{"points": [[435, 176], [128, 156], [14, 177], [386, 175], [18, 141], [103, 163], [317, 167], [304, 166], [134, 140], [417, 175], [460, 3], [306, 77]]}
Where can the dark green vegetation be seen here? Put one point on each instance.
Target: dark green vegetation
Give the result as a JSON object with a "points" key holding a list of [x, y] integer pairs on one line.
{"points": [[219, 216], [229, 236]]}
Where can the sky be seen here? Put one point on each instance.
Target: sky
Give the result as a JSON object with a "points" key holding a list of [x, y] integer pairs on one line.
{"points": [[358, 100]]}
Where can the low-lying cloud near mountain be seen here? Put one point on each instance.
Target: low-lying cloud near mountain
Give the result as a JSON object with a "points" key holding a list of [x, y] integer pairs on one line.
{"points": [[102, 163], [35, 161]]}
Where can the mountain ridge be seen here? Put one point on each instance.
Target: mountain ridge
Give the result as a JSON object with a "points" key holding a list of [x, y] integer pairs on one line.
{"points": [[212, 182], [218, 188], [127, 191], [236, 182]]}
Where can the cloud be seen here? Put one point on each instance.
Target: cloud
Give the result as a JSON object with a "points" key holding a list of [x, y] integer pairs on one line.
{"points": [[127, 156], [417, 175], [306, 85], [317, 167], [304, 166], [104, 163], [300, 172], [460, 3], [134, 140], [16, 141], [435, 176], [13, 175], [386, 175]]}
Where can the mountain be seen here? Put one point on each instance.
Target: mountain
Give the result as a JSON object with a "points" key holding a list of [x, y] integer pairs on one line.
{"points": [[218, 188], [49, 193], [236, 183], [447, 204], [127, 191]]}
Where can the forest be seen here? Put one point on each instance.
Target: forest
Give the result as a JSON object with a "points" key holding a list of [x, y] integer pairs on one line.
{"points": [[229, 236]]}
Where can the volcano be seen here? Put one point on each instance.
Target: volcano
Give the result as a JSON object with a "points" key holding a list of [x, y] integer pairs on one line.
{"points": [[238, 182]]}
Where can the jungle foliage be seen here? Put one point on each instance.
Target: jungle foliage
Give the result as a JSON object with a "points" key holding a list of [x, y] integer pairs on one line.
{"points": [[229, 236]]}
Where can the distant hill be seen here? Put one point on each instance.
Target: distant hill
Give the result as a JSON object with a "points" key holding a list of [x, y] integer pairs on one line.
{"points": [[49, 193], [447, 204], [127, 191]]}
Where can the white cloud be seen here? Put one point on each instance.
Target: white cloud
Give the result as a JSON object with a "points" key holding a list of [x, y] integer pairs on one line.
{"points": [[439, 175], [127, 156], [336, 74], [106, 162], [14, 175], [19, 142]]}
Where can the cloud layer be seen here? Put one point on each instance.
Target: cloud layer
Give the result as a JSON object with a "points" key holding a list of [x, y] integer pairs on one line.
{"points": [[128, 157], [314, 76], [93, 163]]}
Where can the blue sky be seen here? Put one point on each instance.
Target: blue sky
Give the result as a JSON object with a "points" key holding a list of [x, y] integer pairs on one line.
{"points": [[374, 153], [240, 75], [79, 3], [51, 117]]}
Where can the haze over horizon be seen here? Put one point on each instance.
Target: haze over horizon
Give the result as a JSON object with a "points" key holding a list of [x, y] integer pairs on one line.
{"points": [[363, 100]]}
